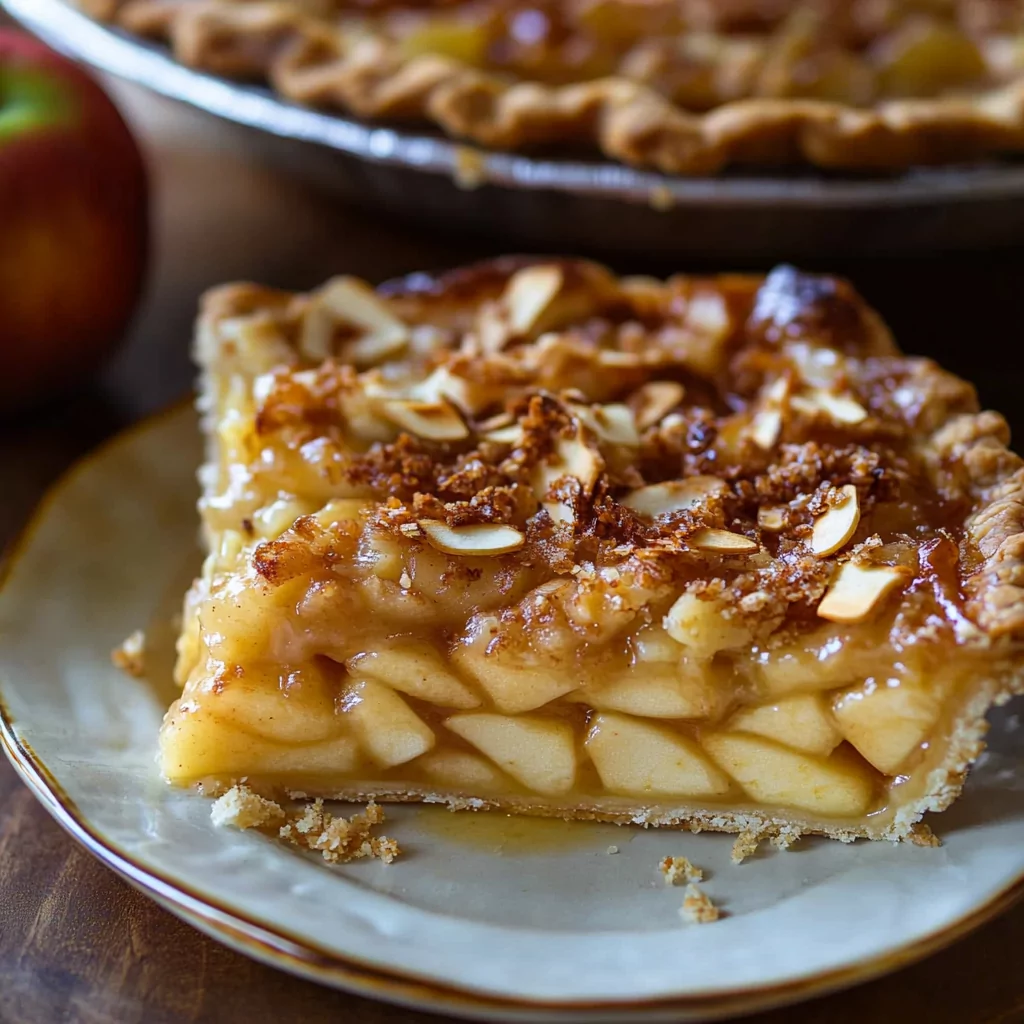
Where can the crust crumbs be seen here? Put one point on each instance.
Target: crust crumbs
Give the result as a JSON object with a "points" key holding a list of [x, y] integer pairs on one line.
{"points": [[745, 846], [339, 840], [697, 906], [784, 840], [676, 870], [922, 835], [242, 808], [130, 657]]}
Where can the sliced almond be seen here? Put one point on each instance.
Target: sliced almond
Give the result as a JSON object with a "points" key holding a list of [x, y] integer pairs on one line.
{"points": [[723, 541], [612, 423], [443, 385], [765, 428], [477, 539], [511, 434], [816, 366], [857, 589], [434, 421], [836, 527], [772, 520], [839, 409], [559, 511], [501, 419], [672, 496], [766, 424], [573, 457], [528, 295], [612, 358], [351, 301], [655, 400]]}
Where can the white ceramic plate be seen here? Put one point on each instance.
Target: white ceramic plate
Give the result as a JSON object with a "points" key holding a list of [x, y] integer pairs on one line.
{"points": [[484, 916]]}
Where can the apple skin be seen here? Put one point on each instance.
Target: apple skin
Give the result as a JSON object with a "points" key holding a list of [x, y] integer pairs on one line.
{"points": [[73, 223]]}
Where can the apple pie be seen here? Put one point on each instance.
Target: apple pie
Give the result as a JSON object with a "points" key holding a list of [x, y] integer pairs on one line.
{"points": [[707, 552], [686, 86]]}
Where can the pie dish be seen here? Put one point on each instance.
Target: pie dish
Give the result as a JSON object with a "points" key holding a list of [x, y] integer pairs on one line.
{"points": [[684, 86], [704, 552]]}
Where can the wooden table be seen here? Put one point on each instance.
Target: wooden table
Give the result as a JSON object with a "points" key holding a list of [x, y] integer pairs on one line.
{"points": [[76, 944]]}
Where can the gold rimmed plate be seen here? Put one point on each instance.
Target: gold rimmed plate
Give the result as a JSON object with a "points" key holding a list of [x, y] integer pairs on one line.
{"points": [[484, 916]]}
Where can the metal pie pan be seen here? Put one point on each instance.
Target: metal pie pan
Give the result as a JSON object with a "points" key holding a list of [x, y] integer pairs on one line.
{"points": [[571, 204]]}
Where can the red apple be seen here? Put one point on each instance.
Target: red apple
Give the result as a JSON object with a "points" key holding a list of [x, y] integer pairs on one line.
{"points": [[73, 222]]}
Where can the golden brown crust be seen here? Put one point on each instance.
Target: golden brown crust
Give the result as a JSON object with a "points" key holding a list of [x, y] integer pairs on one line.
{"points": [[311, 60]]}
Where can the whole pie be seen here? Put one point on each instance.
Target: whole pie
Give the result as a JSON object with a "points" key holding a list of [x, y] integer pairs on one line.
{"points": [[708, 552], [686, 86]]}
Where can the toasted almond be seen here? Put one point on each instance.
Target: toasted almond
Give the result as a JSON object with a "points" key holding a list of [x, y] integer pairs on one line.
{"points": [[511, 434], [528, 294], [837, 525], [839, 409], [477, 539], [857, 589], [614, 359], [772, 520], [443, 385], [501, 419], [550, 587], [559, 511], [724, 541], [816, 366], [765, 428], [672, 496], [766, 423], [434, 421], [708, 313], [612, 423], [573, 457], [655, 400], [351, 301]]}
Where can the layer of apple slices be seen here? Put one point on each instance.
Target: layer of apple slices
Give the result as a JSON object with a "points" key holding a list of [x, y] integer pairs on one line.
{"points": [[829, 732]]}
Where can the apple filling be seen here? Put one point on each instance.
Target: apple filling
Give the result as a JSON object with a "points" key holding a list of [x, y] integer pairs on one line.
{"points": [[702, 553], [370, 680]]}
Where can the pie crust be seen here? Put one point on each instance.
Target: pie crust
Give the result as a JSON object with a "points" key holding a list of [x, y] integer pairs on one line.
{"points": [[708, 552], [685, 86]]}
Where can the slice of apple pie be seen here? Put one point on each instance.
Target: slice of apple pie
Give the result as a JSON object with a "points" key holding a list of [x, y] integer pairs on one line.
{"points": [[704, 552]]}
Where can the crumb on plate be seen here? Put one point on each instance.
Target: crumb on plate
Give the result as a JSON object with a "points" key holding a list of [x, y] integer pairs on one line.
{"points": [[676, 870], [697, 906], [745, 846], [922, 835], [130, 657], [337, 839]]}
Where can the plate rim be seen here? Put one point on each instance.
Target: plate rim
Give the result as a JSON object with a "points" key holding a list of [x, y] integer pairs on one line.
{"points": [[303, 957], [117, 52]]}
